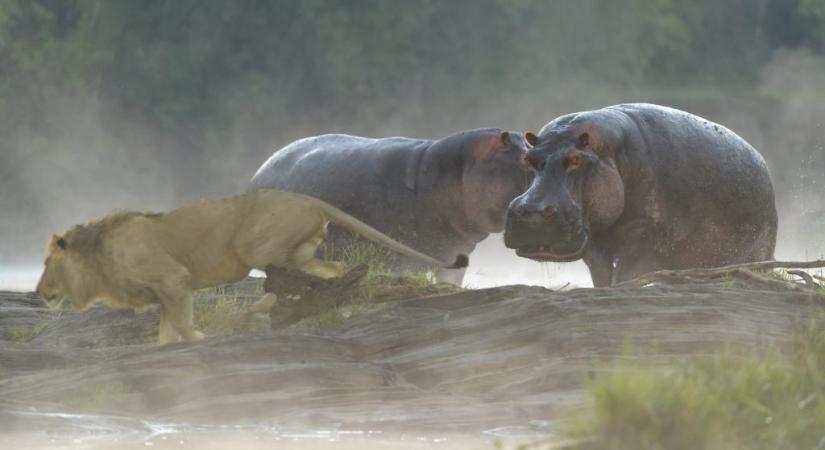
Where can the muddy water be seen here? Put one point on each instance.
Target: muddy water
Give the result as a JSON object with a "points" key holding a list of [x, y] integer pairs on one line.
{"points": [[452, 371], [84, 431]]}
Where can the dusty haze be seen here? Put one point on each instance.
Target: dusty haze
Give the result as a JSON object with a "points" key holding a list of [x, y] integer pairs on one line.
{"points": [[80, 150], [152, 104]]}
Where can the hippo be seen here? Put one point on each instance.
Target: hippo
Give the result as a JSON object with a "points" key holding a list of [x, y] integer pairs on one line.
{"points": [[440, 197], [636, 188]]}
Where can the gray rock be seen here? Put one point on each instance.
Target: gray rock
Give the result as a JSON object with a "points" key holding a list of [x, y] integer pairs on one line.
{"points": [[463, 362]]}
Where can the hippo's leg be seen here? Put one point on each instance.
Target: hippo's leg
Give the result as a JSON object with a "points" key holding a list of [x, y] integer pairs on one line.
{"points": [[452, 276], [600, 265], [632, 266]]}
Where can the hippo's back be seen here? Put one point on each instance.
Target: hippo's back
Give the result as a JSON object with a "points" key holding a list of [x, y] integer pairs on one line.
{"points": [[705, 177], [363, 176]]}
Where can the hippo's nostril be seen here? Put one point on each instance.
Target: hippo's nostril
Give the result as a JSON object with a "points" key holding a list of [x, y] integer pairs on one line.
{"points": [[549, 212]]}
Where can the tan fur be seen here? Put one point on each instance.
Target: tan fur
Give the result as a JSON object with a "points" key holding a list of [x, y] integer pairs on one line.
{"points": [[132, 260]]}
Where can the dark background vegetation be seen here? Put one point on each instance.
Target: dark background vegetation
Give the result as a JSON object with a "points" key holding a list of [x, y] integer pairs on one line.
{"points": [[148, 104]]}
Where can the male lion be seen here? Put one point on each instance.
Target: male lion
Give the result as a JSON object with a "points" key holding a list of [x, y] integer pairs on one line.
{"points": [[131, 259]]}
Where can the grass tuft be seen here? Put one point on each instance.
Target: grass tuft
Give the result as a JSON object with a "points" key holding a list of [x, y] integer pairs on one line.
{"points": [[722, 401], [380, 274], [379, 260], [27, 334], [359, 251], [225, 315], [334, 315]]}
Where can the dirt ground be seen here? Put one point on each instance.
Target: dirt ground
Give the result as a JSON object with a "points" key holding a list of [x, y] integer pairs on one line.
{"points": [[451, 370]]}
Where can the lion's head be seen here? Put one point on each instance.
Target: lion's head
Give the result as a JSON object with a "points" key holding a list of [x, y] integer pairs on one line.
{"points": [[52, 286], [68, 273]]}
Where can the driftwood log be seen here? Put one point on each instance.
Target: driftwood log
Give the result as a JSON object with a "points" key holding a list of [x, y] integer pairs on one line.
{"points": [[749, 274], [301, 295]]}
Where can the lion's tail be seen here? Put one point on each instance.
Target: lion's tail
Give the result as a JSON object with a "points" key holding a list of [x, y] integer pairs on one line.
{"points": [[345, 220]]}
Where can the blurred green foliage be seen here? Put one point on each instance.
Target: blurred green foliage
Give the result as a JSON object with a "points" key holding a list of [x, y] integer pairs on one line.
{"points": [[727, 401], [164, 101], [194, 69]]}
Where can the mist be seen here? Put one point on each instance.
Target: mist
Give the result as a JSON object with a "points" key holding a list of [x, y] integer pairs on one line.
{"points": [[149, 105]]}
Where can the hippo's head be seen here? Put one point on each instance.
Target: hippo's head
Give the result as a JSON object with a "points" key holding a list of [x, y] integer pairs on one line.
{"points": [[577, 190], [494, 172]]}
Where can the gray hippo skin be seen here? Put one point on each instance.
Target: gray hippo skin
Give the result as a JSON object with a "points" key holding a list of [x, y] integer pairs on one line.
{"points": [[636, 188], [440, 197]]}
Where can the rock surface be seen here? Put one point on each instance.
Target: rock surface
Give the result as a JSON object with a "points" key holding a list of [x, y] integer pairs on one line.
{"points": [[514, 356]]}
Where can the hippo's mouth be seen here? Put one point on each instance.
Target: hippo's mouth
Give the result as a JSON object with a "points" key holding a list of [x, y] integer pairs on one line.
{"points": [[548, 253]]}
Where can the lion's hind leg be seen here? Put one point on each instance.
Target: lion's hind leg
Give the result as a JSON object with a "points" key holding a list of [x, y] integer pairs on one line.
{"points": [[303, 257], [323, 269]]}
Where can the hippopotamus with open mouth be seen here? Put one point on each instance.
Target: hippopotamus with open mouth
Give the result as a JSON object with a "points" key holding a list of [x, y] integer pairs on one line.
{"points": [[635, 188], [440, 197]]}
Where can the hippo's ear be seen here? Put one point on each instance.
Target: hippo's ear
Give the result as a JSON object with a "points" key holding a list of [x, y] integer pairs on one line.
{"points": [[531, 138], [593, 139], [505, 138]]}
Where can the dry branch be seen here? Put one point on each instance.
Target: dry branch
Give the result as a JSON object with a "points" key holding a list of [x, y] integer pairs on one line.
{"points": [[741, 272], [809, 280]]}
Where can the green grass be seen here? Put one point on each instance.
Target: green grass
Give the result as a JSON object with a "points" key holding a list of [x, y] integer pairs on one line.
{"points": [[724, 401], [334, 315], [782, 274], [27, 334], [378, 259], [225, 315], [358, 251]]}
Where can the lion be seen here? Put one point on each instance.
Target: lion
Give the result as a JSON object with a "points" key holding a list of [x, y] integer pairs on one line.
{"points": [[134, 260]]}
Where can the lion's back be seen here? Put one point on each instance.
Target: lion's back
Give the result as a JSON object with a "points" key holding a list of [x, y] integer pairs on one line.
{"points": [[214, 240], [274, 223]]}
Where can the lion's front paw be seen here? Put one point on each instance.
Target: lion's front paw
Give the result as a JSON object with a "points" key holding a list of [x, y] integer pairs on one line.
{"points": [[167, 336], [196, 336]]}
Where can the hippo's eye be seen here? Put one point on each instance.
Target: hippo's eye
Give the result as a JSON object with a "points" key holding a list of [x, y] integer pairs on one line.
{"points": [[574, 160]]}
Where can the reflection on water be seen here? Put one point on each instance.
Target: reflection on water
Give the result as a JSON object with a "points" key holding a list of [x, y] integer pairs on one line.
{"points": [[36, 430]]}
